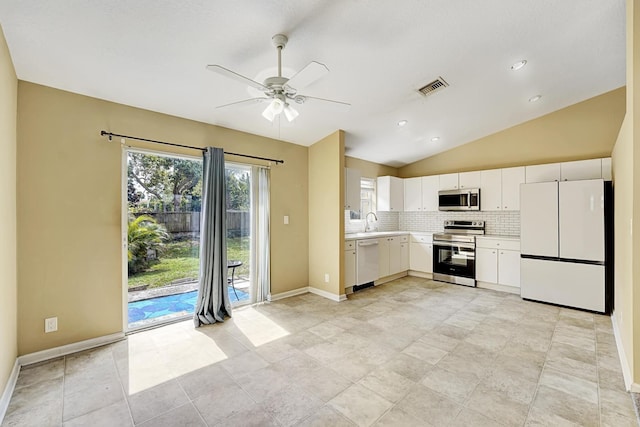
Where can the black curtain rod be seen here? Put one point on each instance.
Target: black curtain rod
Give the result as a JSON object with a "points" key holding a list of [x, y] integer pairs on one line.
{"points": [[111, 134]]}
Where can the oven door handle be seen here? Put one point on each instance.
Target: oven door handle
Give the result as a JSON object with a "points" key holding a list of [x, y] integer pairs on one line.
{"points": [[455, 245]]}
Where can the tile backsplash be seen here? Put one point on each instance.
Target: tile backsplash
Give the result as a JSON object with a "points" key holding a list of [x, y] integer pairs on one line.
{"points": [[496, 222], [387, 221]]}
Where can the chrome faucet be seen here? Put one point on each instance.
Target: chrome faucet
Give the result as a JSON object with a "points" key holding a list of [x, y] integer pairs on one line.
{"points": [[367, 226]]}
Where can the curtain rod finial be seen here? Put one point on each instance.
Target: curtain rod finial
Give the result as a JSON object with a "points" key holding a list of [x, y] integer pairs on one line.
{"points": [[103, 133]]}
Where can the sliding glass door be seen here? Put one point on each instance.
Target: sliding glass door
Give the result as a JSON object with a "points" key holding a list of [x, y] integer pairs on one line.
{"points": [[163, 196]]}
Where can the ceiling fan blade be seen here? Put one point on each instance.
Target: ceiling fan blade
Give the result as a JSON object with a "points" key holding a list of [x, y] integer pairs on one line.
{"points": [[310, 73], [237, 77], [336, 105], [245, 102]]}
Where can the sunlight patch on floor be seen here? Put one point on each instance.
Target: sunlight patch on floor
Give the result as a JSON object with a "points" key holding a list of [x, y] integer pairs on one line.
{"points": [[257, 328], [163, 354]]}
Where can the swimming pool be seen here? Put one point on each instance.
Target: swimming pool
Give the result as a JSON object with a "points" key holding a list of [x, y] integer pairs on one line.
{"points": [[171, 305]]}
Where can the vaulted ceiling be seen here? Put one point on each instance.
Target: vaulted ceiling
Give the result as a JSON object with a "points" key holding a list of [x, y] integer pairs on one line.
{"points": [[153, 54]]}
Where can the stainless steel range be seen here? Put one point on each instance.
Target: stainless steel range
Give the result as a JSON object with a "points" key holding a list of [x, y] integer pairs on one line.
{"points": [[454, 252]]}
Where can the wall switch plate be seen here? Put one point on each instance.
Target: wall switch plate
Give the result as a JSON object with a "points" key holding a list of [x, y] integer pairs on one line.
{"points": [[50, 324], [286, 220]]}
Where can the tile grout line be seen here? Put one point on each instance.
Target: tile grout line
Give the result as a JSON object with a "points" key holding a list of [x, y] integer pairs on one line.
{"points": [[64, 380], [544, 366], [124, 392], [595, 339]]}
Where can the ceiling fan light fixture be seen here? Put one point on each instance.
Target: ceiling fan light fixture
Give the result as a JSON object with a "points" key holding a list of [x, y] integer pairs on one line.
{"points": [[273, 109], [290, 112]]}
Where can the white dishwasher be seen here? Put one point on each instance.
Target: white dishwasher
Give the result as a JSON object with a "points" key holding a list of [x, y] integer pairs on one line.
{"points": [[367, 261]]}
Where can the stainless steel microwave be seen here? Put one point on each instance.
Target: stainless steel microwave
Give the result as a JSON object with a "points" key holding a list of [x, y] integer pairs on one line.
{"points": [[459, 200]]}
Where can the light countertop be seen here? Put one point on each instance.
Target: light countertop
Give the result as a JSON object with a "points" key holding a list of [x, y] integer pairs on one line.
{"points": [[373, 234], [499, 237], [376, 234]]}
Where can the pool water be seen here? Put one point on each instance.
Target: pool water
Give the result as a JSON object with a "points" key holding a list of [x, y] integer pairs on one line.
{"points": [[171, 305]]}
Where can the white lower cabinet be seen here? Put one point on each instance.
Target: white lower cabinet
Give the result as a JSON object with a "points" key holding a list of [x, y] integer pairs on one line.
{"points": [[498, 261], [384, 245], [394, 255], [349, 263], [509, 267], [487, 265], [404, 254], [421, 253]]}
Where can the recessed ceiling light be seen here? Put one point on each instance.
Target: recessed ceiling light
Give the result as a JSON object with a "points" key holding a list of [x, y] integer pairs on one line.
{"points": [[519, 65], [535, 98], [402, 123], [435, 138]]}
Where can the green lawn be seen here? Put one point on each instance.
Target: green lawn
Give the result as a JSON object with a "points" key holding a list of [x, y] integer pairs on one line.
{"points": [[179, 262]]}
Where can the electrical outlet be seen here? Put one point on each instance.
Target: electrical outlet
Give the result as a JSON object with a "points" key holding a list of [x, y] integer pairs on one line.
{"points": [[286, 220], [50, 324], [326, 278]]}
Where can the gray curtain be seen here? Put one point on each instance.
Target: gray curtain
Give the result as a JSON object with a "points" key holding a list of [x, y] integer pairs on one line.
{"points": [[213, 295]]}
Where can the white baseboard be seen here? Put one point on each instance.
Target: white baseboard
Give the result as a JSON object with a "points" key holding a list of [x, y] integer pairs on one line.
{"points": [[52, 353], [328, 295], [420, 274], [497, 287], [626, 372], [390, 278], [8, 390], [304, 290], [293, 293]]}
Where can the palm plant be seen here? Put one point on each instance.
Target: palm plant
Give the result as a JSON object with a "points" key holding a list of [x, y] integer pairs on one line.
{"points": [[144, 233]]}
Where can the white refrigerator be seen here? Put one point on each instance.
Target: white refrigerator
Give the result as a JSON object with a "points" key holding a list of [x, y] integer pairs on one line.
{"points": [[562, 227]]}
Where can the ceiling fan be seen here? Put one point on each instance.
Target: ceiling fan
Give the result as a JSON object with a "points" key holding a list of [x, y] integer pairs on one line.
{"points": [[279, 90]]}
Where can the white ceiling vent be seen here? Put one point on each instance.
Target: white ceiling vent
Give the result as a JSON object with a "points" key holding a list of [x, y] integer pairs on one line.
{"points": [[433, 87]]}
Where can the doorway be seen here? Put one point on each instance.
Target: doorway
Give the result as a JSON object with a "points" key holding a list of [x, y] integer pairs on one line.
{"points": [[162, 222]]}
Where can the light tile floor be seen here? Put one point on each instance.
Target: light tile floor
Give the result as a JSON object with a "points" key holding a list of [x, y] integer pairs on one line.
{"points": [[411, 352]]}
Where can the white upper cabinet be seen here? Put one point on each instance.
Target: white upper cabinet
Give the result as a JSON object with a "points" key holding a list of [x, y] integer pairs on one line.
{"points": [[542, 173], [511, 180], [581, 169], [421, 194], [390, 191], [352, 189], [469, 180], [448, 181], [430, 185], [413, 194], [606, 168], [500, 189], [491, 190]]}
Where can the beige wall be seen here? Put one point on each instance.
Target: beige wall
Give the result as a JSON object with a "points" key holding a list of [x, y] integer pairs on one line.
{"points": [[70, 206], [581, 131], [626, 179], [326, 217], [369, 169], [622, 159], [8, 275]]}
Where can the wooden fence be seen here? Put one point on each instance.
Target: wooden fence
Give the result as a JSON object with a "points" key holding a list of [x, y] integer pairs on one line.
{"points": [[185, 222]]}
